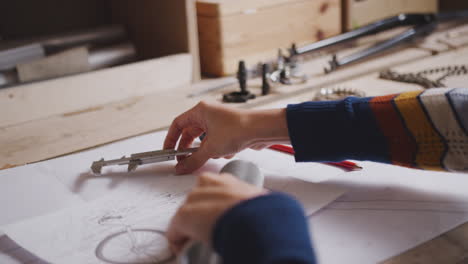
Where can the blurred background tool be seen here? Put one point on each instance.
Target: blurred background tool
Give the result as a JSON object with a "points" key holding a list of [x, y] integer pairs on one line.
{"points": [[423, 24], [64, 54], [243, 95]]}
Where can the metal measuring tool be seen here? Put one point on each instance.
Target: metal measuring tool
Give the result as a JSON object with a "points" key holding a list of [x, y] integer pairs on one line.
{"points": [[141, 158]]}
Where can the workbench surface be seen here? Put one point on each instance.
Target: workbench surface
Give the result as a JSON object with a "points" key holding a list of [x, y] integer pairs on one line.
{"points": [[58, 117]]}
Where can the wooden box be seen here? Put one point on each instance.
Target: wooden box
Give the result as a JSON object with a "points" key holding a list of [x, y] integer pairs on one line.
{"points": [[253, 30], [357, 13]]}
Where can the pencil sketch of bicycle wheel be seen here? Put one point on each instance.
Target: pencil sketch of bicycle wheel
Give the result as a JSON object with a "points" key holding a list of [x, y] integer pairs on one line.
{"points": [[135, 246]]}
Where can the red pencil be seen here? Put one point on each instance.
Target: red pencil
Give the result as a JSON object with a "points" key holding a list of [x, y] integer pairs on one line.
{"points": [[348, 165]]}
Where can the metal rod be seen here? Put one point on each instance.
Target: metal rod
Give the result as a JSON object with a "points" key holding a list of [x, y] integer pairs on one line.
{"points": [[403, 38], [376, 27]]}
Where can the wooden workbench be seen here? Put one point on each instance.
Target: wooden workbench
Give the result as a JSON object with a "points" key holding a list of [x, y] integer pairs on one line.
{"points": [[53, 118]]}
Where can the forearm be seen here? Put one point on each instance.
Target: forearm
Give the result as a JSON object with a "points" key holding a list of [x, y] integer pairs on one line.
{"points": [[270, 229], [266, 126], [417, 129]]}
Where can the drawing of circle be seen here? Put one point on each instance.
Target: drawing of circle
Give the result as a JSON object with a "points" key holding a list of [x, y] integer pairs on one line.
{"points": [[149, 246]]}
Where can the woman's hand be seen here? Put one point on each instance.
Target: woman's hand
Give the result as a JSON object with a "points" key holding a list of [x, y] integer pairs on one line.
{"points": [[213, 195], [227, 130]]}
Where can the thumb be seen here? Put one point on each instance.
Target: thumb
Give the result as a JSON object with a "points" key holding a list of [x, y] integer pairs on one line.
{"points": [[193, 162], [177, 241]]}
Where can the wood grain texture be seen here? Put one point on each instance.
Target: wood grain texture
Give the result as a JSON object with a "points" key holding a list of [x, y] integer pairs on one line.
{"points": [[360, 13], [73, 131], [192, 35], [256, 35], [211, 51], [451, 247], [43, 99], [70, 132], [234, 7], [86, 127], [68, 62]]}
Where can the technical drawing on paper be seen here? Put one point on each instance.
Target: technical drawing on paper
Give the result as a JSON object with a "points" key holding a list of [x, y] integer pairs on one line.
{"points": [[132, 245], [122, 227], [126, 226]]}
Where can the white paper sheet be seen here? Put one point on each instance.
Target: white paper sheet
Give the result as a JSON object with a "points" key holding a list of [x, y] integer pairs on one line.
{"points": [[145, 199], [83, 235], [28, 191], [74, 235], [52, 185], [73, 170], [387, 210]]}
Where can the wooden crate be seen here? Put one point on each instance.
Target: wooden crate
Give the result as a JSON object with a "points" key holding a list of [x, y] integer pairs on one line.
{"points": [[357, 13], [253, 30]]}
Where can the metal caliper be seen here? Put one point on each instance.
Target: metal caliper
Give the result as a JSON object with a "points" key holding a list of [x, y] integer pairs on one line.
{"points": [[138, 159]]}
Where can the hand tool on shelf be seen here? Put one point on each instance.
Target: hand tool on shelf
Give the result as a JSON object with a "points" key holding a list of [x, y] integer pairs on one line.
{"points": [[423, 23], [285, 70], [265, 81], [243, 95]]}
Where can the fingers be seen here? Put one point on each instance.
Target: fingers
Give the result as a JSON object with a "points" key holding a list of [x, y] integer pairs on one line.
{"points": [[188, 136], [206, 195], [176, 238], [193, 162], [259, 146], [209, 179], [187, 119], [178, 243], [173, 134]]}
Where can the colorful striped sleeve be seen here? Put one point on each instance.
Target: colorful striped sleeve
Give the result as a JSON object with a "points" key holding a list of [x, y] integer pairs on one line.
{"points": [[421, 129]]}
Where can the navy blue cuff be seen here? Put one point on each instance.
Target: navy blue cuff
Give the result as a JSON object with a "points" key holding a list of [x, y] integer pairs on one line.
{"points": [[335, 131], [267, 229]]}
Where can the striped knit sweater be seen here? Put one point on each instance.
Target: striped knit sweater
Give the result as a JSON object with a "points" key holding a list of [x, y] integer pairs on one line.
{"points": [[422, 129]]}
